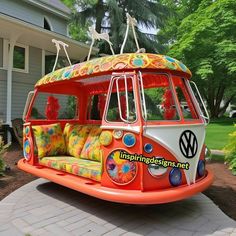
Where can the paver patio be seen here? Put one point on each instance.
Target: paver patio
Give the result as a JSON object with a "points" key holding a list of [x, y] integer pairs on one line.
{"points": [[45, 208]]}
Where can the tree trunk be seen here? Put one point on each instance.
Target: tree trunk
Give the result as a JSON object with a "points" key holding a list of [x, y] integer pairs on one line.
{"points": [[211, 97], [100, 14], [219, 98]]}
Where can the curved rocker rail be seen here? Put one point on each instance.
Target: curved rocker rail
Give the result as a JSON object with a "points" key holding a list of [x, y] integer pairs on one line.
{"points": [[122, 196]]}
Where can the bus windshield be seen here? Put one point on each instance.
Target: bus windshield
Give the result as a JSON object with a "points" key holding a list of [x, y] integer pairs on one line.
{"points": [[158, 103]]}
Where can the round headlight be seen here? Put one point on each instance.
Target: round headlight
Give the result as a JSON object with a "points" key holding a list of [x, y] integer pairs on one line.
{"points": [[175, 177], [148, 148], [156, 170], [201, 168]]}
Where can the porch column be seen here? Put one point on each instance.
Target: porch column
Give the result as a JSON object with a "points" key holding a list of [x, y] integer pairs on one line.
{"points": [[12, 43]]}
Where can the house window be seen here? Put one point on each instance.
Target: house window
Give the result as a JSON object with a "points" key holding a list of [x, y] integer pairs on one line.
{"points": [[20, 57], [47, 25], [49, 60]]}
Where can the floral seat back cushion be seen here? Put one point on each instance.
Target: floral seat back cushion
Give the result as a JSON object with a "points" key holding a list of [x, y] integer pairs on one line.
{"points": [[77, 138], [49, 140], [70, 130], [92, 146]]}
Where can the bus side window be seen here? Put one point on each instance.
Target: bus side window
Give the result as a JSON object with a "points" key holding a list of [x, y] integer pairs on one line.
{"points": [[53, 107]]}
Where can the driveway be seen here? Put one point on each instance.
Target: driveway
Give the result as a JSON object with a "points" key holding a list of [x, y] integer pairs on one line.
{"points": [[45, 208]]}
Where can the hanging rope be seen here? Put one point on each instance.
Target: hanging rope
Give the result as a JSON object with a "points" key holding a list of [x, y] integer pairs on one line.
{"points": [[96, 36], [131, 22], [64, 45]]}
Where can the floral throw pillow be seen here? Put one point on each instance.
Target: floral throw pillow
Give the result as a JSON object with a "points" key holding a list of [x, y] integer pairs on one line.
{"points": [[49, 140], [77, 139], [92, 146], [70, 129]]}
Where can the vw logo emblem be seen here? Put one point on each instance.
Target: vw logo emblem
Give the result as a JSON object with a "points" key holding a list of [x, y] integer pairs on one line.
{"points": [[188, 144]]}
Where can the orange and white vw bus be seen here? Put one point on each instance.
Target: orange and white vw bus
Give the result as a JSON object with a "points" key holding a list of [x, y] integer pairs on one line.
{"points": [[125, 128]]}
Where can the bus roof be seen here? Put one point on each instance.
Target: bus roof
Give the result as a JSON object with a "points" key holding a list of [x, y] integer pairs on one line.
{"points": [[127, 61]]}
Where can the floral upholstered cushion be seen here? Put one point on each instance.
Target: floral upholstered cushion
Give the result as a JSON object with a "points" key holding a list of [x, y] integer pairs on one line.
{"points": [[49, 140], [92, 146], [77, 139], [68, 130], [84, 168], [54, 162]]}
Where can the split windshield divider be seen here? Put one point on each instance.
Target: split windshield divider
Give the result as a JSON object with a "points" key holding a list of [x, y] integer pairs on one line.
{"points": [[126, 97], [140, 78]]}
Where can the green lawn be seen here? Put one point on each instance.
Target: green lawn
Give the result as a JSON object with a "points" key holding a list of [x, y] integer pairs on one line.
{"points": [[217, 132], [217, 158]]}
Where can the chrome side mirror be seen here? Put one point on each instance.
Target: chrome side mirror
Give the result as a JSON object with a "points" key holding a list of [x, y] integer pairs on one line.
{"points": [[207, 154]]}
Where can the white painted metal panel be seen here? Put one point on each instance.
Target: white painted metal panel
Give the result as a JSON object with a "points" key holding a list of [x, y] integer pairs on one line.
{"points": [[169, 137]]}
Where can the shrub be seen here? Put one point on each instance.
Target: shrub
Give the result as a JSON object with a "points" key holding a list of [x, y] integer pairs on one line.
{"points": [[2, 150], [230, 152]]}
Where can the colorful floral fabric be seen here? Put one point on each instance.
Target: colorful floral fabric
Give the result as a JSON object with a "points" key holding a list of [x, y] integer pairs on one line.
{"points": [[84, 168], [92, 146], [77, 140], [68, 130], [114, 62], [56, 162], [49, 140]]}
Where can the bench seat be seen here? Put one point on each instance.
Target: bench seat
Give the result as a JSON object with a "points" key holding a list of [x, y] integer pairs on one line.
{"points": [[84, 168]]}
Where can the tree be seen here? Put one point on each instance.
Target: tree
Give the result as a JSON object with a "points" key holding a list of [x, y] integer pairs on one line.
{"points": [[178, 9], [206, 42], [110, 16], [77, 31]]}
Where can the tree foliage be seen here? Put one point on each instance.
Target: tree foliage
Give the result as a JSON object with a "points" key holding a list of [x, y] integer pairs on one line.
{"points": [[77, 30], [110, 16], [178, 9], [230, 152], [206, 42]]}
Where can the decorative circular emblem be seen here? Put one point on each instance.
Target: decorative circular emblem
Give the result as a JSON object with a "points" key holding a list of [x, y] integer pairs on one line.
{"points": [[117, 134], [27, 150], [129, 140], [105, 138], [120, 171], [27, 130], [148, 148], [188, 144]]}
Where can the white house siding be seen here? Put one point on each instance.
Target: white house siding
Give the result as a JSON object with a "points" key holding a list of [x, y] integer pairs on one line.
{"points": [[23, 83], [29, 13]]}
